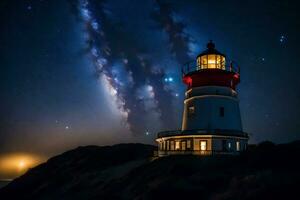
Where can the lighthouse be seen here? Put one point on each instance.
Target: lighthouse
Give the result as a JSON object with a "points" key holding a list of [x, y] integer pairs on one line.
{"points": [[211, 121]]}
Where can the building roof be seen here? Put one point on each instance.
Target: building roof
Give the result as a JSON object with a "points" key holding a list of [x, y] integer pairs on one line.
{"points": [[210, 50]]}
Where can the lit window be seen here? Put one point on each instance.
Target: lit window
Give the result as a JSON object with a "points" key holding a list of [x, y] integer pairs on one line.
{"points": [[177, 145], [211, 61], [203, 145], [172, 145], [168, 145], [202, 61], [229, 145], [183, 145], [222, 111], [196, 145], [188, 144], [238, 148]]}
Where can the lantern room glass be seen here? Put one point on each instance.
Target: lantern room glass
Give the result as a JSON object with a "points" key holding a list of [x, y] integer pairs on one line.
{"points": [[211, 61]]}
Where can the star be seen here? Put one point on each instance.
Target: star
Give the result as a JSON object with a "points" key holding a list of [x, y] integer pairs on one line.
{"points": [[29, 7], [67, 127], [169, 79], [282, 39], [147, 133]]}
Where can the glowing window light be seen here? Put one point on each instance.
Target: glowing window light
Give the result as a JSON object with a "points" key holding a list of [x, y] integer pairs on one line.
{"points": [[229, 145], [238, 146], [183, 145], [203, 145], [177, 145], [172, 145], [211, 61], [188, 144]]}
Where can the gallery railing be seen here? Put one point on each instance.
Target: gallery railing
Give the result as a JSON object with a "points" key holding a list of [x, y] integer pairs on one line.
{"points": [[193, 66]]}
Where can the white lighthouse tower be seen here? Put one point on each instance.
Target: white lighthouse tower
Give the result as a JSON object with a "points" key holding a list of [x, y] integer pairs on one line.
{"points": [[211, 122]]}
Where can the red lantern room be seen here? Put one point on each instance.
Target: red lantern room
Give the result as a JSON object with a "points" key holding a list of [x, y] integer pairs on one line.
{"points": [[211, 69]]}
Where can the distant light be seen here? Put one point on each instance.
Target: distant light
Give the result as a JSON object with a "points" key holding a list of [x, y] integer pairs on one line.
{"points": [[169, 79], [67, 127], [21, 164], [15, 164], [282, 38]]}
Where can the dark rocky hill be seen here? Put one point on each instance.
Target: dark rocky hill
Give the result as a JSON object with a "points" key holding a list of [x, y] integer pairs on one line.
{"points": [[128, 171]]}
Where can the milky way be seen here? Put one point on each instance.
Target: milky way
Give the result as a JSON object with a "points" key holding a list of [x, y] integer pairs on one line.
{"points": [[126, 68]]}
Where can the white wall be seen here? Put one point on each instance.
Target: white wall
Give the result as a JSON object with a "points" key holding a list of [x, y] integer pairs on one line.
{"points": [[207, 102]]}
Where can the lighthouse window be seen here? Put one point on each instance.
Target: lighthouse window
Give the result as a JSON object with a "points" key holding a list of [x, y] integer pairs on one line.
{"points": [[177, 145], [183, 145], [172, 145], [203, 145], [160, 146], [222, 111], [203, 62], [238, 147], [212, 61], [188, 144], [229, 145]]}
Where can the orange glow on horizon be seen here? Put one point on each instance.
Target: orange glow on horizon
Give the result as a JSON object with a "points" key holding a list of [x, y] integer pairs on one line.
{"points": [[16, 164]]}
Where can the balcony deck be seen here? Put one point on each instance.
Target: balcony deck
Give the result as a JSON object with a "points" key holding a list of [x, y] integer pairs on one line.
{"points": [[219, 132]]}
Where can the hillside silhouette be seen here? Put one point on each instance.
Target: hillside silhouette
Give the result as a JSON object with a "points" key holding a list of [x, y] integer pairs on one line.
{"points": [[129, 171]]}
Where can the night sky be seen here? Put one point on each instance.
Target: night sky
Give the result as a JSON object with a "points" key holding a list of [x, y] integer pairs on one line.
{"points": [[99, 72]]}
